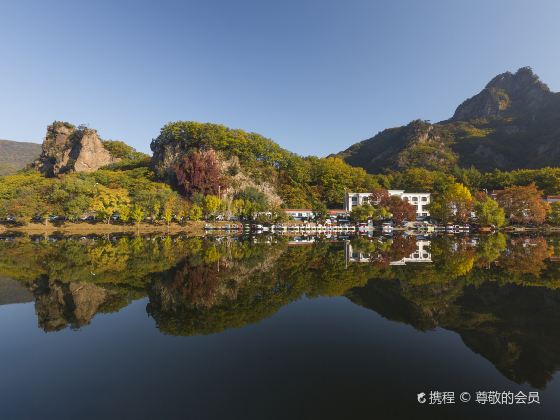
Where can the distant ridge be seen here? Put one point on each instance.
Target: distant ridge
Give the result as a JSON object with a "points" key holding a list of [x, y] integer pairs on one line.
{"points": [[15, 155]]}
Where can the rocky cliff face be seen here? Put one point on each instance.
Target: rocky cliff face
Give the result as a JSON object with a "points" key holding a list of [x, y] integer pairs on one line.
{"points": [[70, 149], [508, 93]]}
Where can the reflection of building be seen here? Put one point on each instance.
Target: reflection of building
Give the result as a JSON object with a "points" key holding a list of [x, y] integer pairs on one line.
{"points": [[422, 254], [337, 213], [418, 200], [355, 256]]}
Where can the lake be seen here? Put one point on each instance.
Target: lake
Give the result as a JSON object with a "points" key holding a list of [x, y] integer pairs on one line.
{"points": [[275, 327]]}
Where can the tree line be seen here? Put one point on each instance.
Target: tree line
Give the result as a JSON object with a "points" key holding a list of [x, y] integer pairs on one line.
{"points": [[220, 172]]}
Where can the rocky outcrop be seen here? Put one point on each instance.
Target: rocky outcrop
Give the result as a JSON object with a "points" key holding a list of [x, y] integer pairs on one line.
{"points": [[507, 93], [70, 149]]}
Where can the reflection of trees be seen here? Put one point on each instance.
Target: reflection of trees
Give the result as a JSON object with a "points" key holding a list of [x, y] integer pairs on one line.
{"points": [[199, 297], [74, 279], [490, 248], [525, 256], [199, 286]]}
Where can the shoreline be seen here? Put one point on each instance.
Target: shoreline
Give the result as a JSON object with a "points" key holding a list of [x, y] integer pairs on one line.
{"points": [[198, 229], [190, 228]]}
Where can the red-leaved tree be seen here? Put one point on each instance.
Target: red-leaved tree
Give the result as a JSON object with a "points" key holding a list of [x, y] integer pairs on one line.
{"points": [[400, 209], [198, 171]]}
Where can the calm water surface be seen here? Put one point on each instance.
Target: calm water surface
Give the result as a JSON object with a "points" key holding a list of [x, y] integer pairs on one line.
{"points": [[174, 327]]}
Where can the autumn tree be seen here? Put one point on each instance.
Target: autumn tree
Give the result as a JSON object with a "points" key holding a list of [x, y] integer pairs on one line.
{"points": [[454, 203], [199, 171], [523, 204], [379, 197], [108, 201], [400, 209], [211, 205]]}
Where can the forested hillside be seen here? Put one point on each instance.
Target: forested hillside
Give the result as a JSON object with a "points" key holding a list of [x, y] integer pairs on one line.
{"points": [[202, 157]]}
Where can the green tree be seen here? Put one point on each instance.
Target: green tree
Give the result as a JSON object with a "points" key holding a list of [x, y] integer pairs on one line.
{"points": [[362, 213], [169, 209], [554, 213], [195, 212], [320, 211], [489, 212], [137, 214]]}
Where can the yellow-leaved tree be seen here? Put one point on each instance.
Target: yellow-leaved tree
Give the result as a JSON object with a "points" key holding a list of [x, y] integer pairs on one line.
{"points": [[108, 201]]}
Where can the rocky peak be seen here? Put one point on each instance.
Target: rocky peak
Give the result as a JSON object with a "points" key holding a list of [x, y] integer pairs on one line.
{"points": [[508, 93], [67, 148]]}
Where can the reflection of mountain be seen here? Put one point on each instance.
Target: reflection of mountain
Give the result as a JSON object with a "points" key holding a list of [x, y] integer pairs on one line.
{"points": [[472, 286], [512, 326]]}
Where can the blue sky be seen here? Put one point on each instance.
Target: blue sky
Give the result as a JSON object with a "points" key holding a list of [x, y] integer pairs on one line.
{"points": [[315, 76]]}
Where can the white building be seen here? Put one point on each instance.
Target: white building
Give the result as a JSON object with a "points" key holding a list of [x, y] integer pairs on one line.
{"points": [[418, 200]]}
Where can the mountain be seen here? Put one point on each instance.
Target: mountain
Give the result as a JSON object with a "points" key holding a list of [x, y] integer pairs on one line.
{"points": [[15, 155], [513, 123]]}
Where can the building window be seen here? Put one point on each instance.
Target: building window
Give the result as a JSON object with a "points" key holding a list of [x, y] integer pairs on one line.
{"points": [[424, 198], [414, 198]]}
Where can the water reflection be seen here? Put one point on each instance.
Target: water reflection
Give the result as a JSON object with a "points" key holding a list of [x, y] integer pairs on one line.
{"points": [[499, 293]]}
